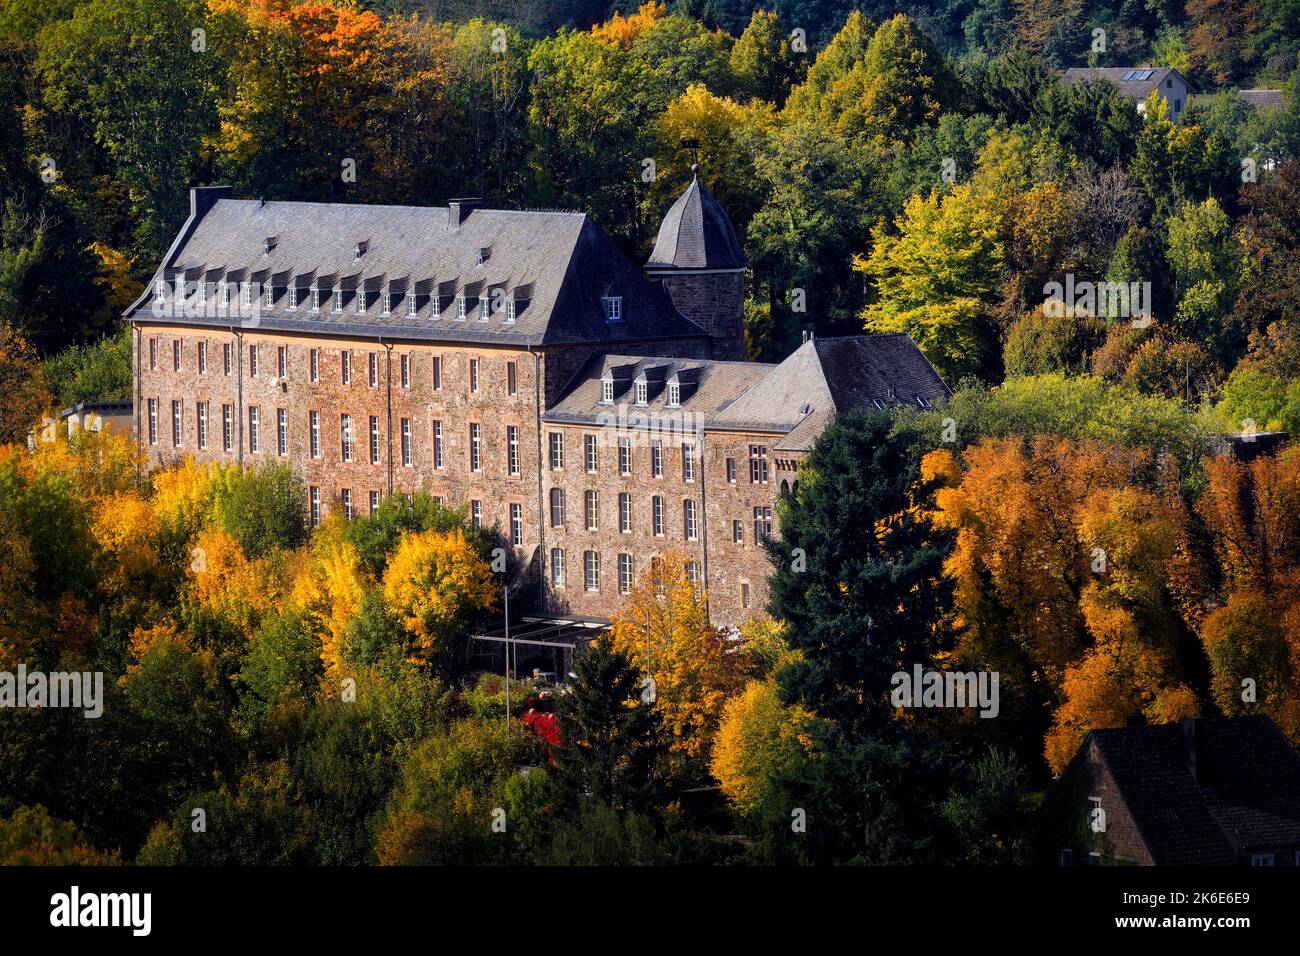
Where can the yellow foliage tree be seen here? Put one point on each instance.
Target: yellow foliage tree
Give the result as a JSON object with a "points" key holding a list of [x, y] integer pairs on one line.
{"points": [[437, 582], [331, 588], [696, 668], [623, 30], [759, 741]]}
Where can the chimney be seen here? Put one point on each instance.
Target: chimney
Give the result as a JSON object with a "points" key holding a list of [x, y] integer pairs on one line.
{"points": [[1194, 749], [458, 210], [1135, 719], [203, 198]]}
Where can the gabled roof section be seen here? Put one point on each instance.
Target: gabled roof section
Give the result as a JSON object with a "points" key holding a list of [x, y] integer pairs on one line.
{"points": [[558, 263], [1245, 795], [837, 375], [1135, 82], [696, 234]]}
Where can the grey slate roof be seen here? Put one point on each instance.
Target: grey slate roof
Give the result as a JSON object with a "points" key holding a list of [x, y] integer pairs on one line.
{"points": [[696, 234], [559, 264], [796, 399], [836, 375], [1249, 797], [707, 387], [1134, 89], [1262, 99]]}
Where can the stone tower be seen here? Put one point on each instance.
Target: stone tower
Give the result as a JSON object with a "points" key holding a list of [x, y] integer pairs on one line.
{"points": [[698, 259]]}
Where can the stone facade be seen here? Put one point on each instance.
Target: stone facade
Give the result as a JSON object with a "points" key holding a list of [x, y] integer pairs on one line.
{"points": [[714, 301]]}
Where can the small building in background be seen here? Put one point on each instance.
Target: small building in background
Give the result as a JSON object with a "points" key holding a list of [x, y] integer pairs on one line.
{"points": [[1137, 83], [87, 416]]}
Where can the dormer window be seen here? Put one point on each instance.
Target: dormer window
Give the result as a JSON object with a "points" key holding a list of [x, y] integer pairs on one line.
{"points": [[613, 308], [160, 291], [674, 393], [202, 295], [315, 300], [642, 392], [337, 296], [607, 390], [246, 294], [435, 306], [483, 307], [360, 250], [484, 254], [460, 307], [510, 309], [361, 301], [387, 307], [410, 304], [225, 294], [293, 297], [270, 295]]}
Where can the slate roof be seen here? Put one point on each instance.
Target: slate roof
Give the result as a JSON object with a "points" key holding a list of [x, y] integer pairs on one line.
{"points": [[1262, 99], [715, 384], [696, 234], [1248, 798], [558, 265], [796, 399], [830, 375], [1135, 89]]}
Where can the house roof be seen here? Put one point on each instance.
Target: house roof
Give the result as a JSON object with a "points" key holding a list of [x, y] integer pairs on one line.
{"points": [[796, 399], [1262, 99], [557, 265], [1247, 797], [836, 375], [1135, 82], [696, 234]]}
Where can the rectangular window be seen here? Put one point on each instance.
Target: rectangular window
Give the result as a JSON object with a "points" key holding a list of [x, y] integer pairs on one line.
{"points": [[731, 470], [656, 458], [744, 594], [410, 303], [557, 567], [476, 513], [625, 456], [346, 359], [591, 510], [176, 424], [374, 502], [517, 525], [315, 434], [203, 358], [153, 355], [688, 461], [624, 573], [315, 365], [374, 439], [589, 452], [345, 437], [282, 430], [606, 391], [591, 565], [225, 358], [282, 361], [252, 360], [406, 443], [557, 507], [473, 375], [254, 443], [674, 394], [437, 444], [658, 511], [374, 369], [176, 355], [758, 464], [625, 513], [762, 524], [475, 447], [406, 371], [437, 371], [293, 296], [689, 524], [512, 379], [557, 450], [512, 445], [346, 496], [314, 494], [202, 416], [228, 427]]}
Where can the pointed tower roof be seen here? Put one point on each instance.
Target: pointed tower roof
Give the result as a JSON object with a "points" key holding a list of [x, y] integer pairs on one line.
{"points": [[696, 234]]}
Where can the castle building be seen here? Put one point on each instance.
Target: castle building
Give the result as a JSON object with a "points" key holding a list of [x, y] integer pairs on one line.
{"points": [[512, 362]]}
